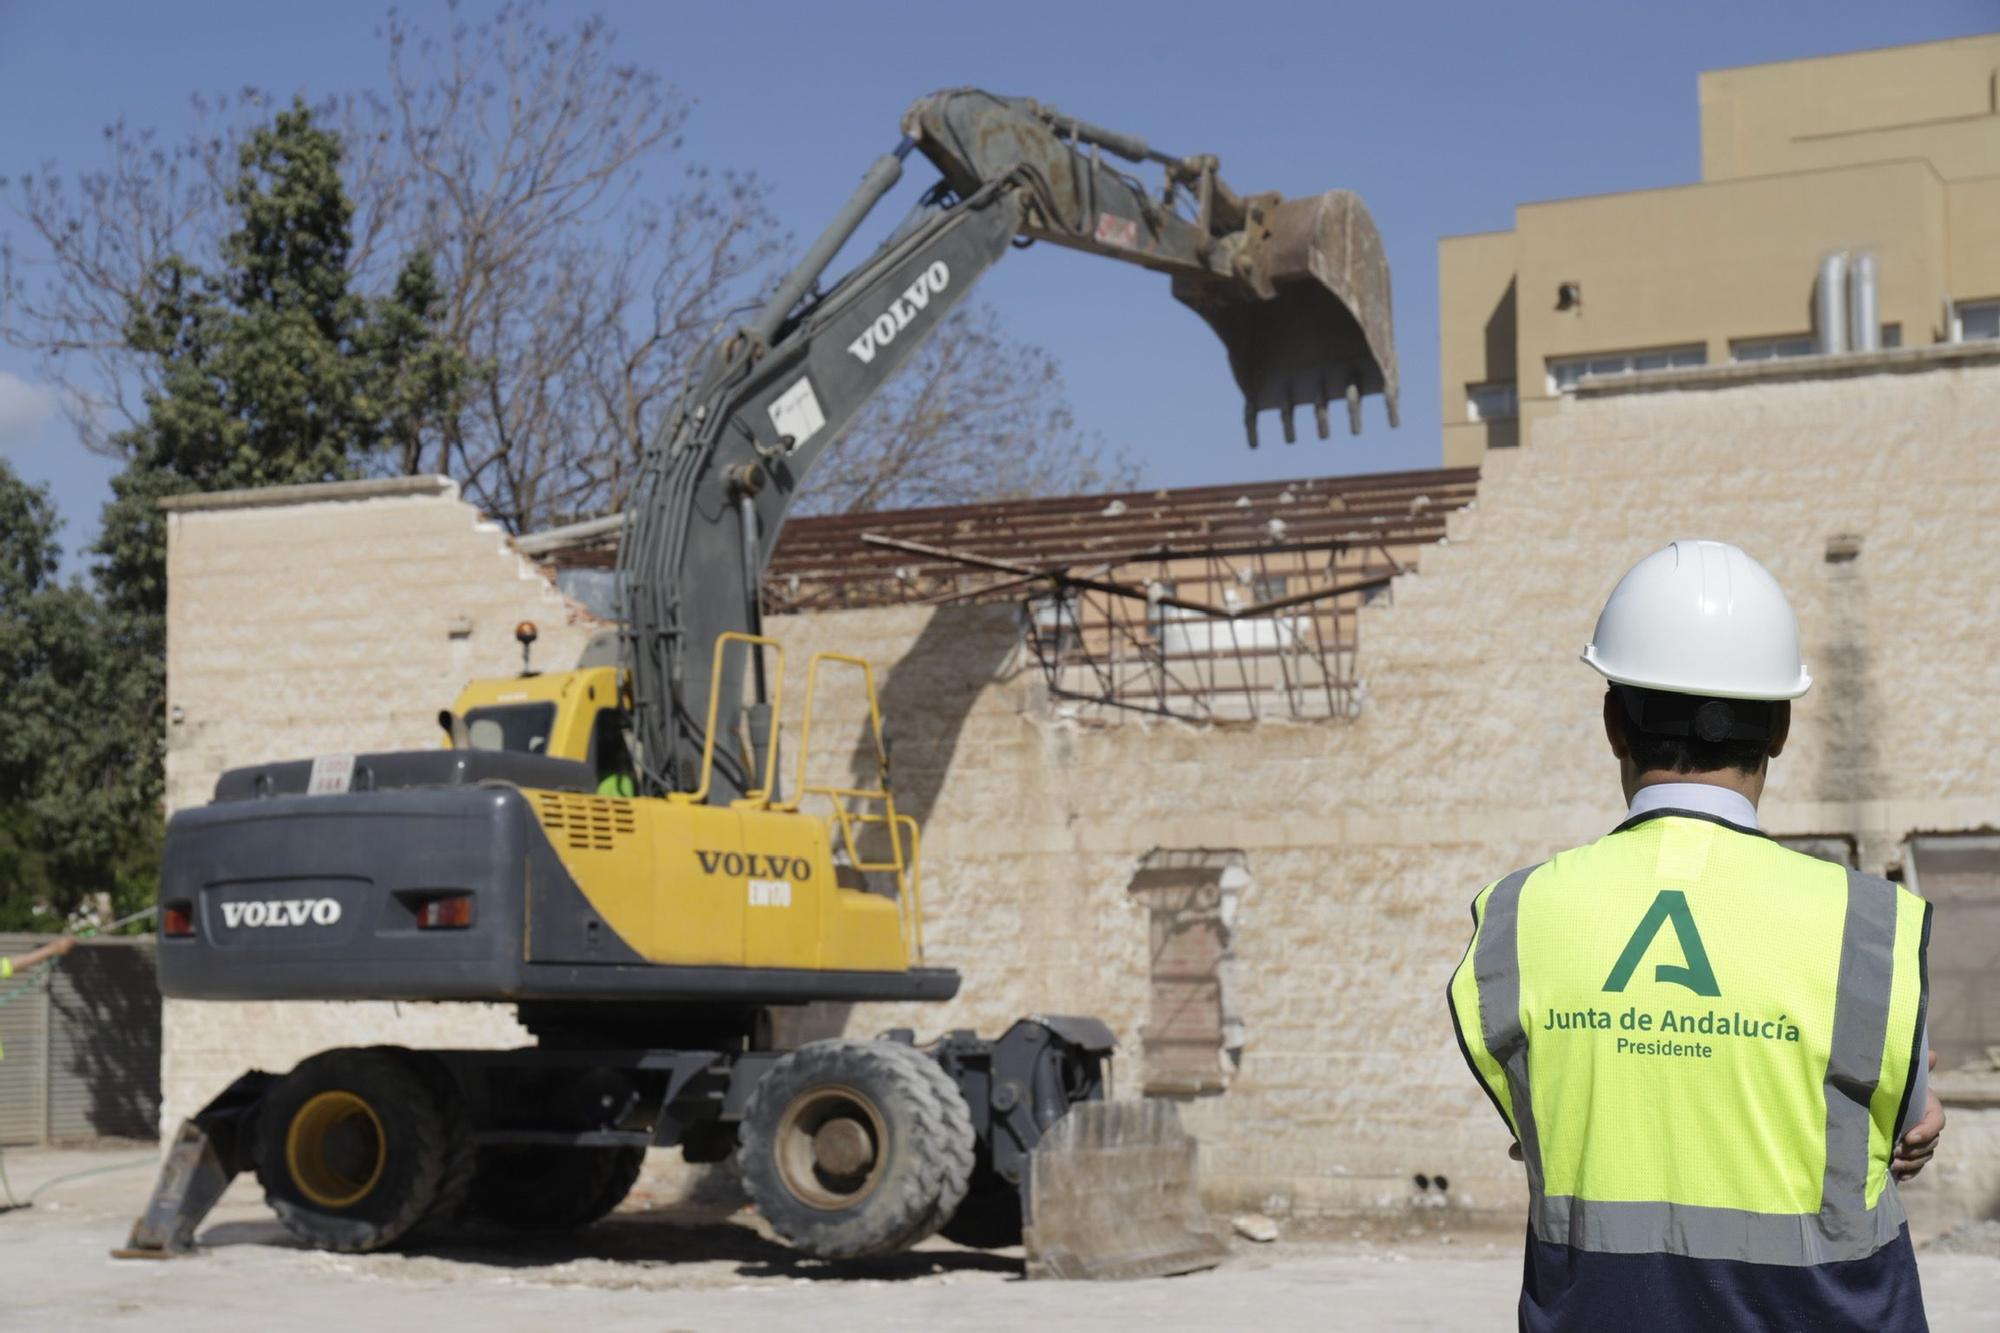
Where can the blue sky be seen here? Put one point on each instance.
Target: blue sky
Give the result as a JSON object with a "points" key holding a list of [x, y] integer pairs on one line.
{"points": [[1443, 117]]}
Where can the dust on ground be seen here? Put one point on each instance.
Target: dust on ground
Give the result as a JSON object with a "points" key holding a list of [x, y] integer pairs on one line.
{"points": [[672, 1259]]}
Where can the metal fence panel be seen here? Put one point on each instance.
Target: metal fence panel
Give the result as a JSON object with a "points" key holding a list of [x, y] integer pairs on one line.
{"points": [[104, 1043], [80, 1058], [23, 1051]]}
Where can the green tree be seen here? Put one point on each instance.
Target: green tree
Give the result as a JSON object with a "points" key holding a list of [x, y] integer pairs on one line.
{"points": [[270, 371], [77, 814]]}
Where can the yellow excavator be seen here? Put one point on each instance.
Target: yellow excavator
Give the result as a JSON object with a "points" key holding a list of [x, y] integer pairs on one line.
{"points": [[614, 850]]}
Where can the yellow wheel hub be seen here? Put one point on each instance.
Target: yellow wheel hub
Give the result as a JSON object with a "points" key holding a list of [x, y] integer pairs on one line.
{"points": [[335, 1149]]}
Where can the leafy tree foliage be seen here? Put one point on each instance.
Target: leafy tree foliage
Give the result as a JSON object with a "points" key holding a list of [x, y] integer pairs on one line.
{"points": [[270, 371], [78, 805]]}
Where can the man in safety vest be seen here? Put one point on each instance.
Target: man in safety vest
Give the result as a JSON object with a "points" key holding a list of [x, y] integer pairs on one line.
{"points": [[1711, 1050]]}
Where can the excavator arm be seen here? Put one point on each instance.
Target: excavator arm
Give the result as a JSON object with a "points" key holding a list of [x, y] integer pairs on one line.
{"points": [[1297, 290]]}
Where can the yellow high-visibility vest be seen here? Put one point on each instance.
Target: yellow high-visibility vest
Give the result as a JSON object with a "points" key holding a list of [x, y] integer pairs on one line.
{"points": [[1703, 1041]]}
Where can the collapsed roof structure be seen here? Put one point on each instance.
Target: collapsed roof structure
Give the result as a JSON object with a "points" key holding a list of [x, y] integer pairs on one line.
{"points": [[1207, 603]]}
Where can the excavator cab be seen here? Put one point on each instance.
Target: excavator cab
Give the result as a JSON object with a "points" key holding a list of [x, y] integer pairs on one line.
{"points": [[575, 715]]}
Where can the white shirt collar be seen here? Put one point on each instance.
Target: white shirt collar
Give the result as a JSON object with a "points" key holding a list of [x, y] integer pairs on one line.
{"points": [[1700, 797]]}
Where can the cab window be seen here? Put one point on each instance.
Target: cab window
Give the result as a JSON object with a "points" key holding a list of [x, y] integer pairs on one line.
{"points": [[522, 728], [609, 755]]}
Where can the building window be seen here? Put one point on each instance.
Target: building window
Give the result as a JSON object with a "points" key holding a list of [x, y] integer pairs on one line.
{"points": [[1566, 372], [1978, 320], [1193, 1037], [1960, 874], [1492, 402], [1772, 349], [1892, 335]]}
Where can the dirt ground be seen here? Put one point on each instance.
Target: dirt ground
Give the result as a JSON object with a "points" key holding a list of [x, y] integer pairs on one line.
{"points": [[661, 1264]]}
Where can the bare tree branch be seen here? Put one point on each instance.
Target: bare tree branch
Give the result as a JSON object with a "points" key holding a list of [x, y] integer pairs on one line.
{"points": [[584, 263]]}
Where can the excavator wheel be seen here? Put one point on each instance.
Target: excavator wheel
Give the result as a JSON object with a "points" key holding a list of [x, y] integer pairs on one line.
{"points": [[852, 1149], [461, 1153], [990, 1217], [357, 1147], [550, 1187]]}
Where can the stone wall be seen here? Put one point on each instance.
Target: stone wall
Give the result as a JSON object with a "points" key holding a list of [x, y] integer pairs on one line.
{"points": [[330, 619], [1479, 750]]}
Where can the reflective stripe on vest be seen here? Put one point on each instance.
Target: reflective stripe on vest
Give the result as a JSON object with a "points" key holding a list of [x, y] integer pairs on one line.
{"points": [[1654, 963]]}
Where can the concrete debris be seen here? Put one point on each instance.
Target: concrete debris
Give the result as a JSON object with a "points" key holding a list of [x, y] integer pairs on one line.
{"points": [[1255, 1226]]}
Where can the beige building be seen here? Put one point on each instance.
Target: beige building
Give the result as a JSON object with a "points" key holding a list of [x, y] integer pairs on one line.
{"points": [[1848, 204]]}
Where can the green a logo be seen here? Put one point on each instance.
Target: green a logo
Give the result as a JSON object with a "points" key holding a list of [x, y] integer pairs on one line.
{"points": [[1697, 976]]}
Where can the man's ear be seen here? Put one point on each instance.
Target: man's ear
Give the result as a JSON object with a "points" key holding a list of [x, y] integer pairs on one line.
{"points": [[1614, 725], [1781, 728]]}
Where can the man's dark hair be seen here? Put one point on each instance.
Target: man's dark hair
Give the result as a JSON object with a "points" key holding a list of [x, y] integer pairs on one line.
{"points": [[1685, 733]]}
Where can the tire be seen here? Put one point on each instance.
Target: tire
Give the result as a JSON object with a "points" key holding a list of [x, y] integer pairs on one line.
{"points": [[461, 1154], [854, 1149], [549, 1187], [990, 1217], [357, 1147]]}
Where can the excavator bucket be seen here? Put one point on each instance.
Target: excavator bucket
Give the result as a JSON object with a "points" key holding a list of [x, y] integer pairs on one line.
{"points": [[1309, 323], [1112, 1194]]}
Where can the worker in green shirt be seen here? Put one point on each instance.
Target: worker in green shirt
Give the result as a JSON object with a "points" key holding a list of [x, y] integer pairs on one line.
{"points": [[53, 949]]}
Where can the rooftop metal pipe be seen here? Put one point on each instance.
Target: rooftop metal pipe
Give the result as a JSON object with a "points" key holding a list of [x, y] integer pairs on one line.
{"points": [[1864, 314], [1830, 305]]}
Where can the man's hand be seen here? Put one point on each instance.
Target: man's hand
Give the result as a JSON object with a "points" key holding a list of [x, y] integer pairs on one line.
{"points": [[1914, 1149]]}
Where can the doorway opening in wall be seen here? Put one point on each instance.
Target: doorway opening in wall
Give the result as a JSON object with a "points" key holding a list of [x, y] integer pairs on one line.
{"points": [[1960, 874], [1193, 1036]]}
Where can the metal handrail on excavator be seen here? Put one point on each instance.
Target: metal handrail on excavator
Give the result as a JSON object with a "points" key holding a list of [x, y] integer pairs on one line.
{"points": [[905, 866], [757, 796], [904, 856]]}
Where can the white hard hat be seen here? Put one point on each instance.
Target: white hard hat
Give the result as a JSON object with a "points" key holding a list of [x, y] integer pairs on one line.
{"points": [[1700, 618]]}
